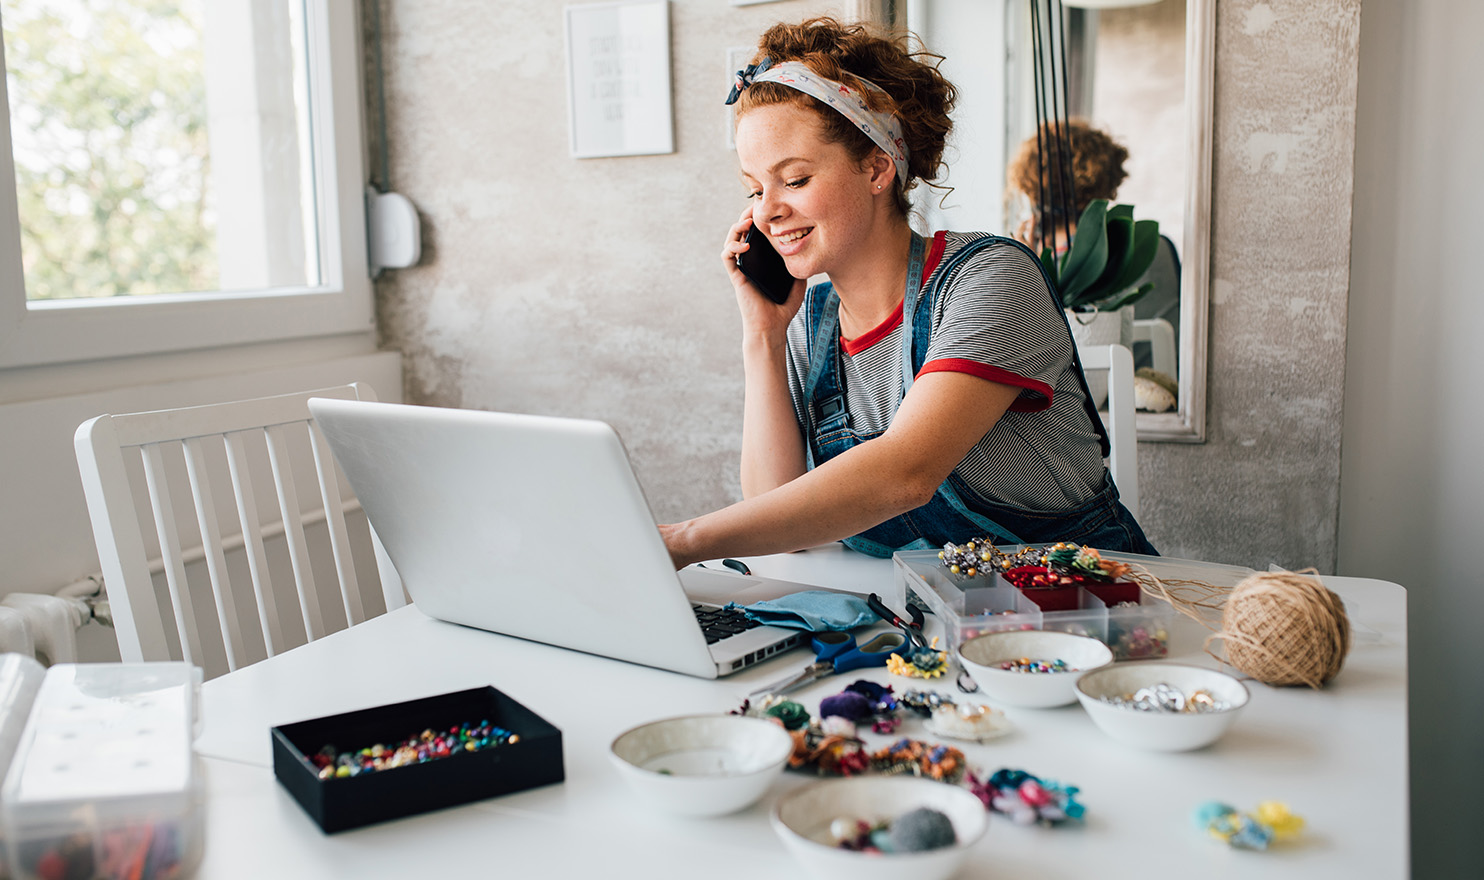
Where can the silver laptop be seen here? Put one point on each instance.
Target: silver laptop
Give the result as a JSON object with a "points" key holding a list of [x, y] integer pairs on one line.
{"points": [[536, 527]]}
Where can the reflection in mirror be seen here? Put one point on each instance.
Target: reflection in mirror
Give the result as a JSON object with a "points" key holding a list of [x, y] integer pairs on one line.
{"points": [[1140, 74]]}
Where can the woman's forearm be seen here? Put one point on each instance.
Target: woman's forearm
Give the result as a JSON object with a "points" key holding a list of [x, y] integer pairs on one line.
{"points": [[772, 445]]}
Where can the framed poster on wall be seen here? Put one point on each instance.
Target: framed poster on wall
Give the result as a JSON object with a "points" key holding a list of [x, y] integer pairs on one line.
{"points": [[618, 79]]}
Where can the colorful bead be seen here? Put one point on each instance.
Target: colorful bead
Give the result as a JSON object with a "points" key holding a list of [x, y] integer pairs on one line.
{"points": [[416, 749], [1026, 664]]}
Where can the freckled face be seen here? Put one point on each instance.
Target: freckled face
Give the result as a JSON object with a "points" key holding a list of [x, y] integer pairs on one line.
{"points": [[809, 196]]}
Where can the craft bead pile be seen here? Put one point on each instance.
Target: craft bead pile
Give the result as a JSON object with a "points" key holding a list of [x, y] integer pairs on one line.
{"points": [[1026, 664], [430, 745], [1167, 698]]}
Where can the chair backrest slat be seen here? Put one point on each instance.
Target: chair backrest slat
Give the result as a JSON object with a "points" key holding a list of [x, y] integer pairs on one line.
{"points": [[175, 577], [121, 554], [1123, 456], [329, 493], [293, 531], [211, 545], [252, 538]]}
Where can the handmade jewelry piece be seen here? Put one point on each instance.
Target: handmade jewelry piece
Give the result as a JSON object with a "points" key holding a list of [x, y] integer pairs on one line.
{"points": [[914, 831], [918, 758], [430, 745], [1271, 821], [1062, 564], [1166, 698], [919, 662], [967, 721], [1026, 799]]}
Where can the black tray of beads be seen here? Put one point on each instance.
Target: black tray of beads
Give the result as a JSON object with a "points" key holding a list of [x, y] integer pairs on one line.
{"points": [[434, 752]]}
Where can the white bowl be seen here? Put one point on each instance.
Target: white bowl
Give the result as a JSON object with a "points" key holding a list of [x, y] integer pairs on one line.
{"points": [[802, 819], [982, 655], [1160, 731], [702, 765]]}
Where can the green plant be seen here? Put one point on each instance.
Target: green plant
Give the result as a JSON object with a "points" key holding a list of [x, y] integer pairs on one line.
{"points": [[1110, 252]]}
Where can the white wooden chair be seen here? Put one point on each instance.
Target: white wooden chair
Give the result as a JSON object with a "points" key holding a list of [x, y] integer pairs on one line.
{"points": [[216, 461], [1123, 436], [1160, 334]]}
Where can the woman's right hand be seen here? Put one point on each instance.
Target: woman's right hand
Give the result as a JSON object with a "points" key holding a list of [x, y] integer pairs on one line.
{"points": [[759, 314]]}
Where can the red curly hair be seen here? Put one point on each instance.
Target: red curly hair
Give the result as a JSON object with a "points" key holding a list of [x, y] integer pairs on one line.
{"points": [[916, 93], [1097, 168]]}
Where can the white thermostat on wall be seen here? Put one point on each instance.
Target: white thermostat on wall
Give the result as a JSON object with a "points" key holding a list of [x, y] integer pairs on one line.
{"points": [[394, 239]]}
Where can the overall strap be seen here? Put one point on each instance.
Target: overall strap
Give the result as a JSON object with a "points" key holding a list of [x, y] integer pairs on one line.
{"points": [[822, 330], [916, 328]]}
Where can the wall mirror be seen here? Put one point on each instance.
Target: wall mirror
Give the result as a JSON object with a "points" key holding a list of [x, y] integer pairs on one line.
{"points": [[1141, 71]]}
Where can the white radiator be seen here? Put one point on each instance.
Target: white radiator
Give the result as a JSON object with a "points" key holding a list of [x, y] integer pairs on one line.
{"points": [[41, 626]]}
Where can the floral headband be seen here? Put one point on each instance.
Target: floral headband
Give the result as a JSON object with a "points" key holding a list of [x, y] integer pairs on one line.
{"points": [[882, 128]]}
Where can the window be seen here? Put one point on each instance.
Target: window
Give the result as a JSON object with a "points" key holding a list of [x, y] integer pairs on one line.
{"points": [[178, 174]]}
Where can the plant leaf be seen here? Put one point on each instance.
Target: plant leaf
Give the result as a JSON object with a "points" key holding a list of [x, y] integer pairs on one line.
{"points": [[1131, 297], [1142, 251], [1089, 251], [1120, 233], [1048, 262], [1121, 211]]}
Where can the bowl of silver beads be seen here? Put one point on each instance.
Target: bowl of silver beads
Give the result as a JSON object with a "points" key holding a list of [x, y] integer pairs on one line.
{"points": [[1032, 669], [1163, 707], [880, 827]]}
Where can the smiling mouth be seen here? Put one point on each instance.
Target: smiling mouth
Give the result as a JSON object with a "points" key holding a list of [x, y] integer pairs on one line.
{"points": [[789, 238]]}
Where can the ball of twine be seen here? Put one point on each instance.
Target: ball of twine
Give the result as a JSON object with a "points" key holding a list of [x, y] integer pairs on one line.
{"points": [[1283, 628]]}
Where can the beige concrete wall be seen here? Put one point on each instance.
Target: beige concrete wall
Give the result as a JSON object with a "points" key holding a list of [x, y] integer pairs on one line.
{"points": [[1264, 488], [591, 287], [587, 287]]}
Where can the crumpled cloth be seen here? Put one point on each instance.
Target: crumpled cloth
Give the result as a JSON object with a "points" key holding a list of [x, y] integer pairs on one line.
{"points": [[811, 611]]}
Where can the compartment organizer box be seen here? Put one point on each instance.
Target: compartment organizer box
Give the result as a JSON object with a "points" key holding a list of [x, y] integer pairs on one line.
{"points": [[1134, 626]]}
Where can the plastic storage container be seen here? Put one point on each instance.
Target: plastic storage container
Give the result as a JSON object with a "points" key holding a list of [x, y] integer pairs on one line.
{"points": [[1132, 625], [104, 782]]}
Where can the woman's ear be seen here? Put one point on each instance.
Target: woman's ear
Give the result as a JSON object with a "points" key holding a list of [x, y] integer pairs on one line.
{"points": [[883, 171]]}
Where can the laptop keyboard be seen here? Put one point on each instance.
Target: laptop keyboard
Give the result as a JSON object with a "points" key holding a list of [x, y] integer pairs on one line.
{"points": [[720, 623]]}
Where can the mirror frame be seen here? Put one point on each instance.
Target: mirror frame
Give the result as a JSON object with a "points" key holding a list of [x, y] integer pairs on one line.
{"points": [[1187, 424]]}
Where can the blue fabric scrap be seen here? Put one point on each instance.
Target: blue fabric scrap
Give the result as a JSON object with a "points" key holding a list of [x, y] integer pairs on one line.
{"points": [[811, 611]]}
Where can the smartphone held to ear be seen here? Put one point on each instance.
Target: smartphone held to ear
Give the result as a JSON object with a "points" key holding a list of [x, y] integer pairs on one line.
{"points": [[764, 267]]}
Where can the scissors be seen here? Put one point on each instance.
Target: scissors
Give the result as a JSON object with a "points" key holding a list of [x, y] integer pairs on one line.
{"points": [[911, 629], [837, 652]]}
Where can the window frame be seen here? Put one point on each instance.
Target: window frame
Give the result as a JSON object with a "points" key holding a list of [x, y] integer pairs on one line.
{"points": [[69, 331]]}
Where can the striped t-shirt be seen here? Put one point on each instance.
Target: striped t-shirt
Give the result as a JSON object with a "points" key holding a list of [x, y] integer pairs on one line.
{"points": [[994, 318]]}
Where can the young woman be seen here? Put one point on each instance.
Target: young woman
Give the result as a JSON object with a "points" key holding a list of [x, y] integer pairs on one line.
{"points": [[928, 393]]}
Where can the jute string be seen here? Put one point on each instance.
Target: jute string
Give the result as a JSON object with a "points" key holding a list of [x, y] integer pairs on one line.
{"points": [[1281, 628]]}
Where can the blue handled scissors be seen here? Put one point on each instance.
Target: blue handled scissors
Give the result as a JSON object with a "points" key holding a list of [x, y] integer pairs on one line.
{"points": [[837, 652]]}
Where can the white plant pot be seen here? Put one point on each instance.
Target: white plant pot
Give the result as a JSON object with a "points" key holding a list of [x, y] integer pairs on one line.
{"points": [[1102, 328]]}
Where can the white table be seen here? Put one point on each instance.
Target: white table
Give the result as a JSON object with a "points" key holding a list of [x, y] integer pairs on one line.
{"points": [[1338, 757]]}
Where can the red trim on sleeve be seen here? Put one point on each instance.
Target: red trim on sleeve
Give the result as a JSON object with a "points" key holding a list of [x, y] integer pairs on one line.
{"points": [[1038, 399]]}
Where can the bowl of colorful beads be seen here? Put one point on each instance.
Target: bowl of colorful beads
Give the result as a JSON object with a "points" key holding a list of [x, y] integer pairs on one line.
{"points": [[1163, 707], [702, 765], [1033, 668], [887, 827]]}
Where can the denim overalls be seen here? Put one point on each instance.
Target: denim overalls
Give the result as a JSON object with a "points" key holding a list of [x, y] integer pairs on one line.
{"points": [[955, 512]]}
